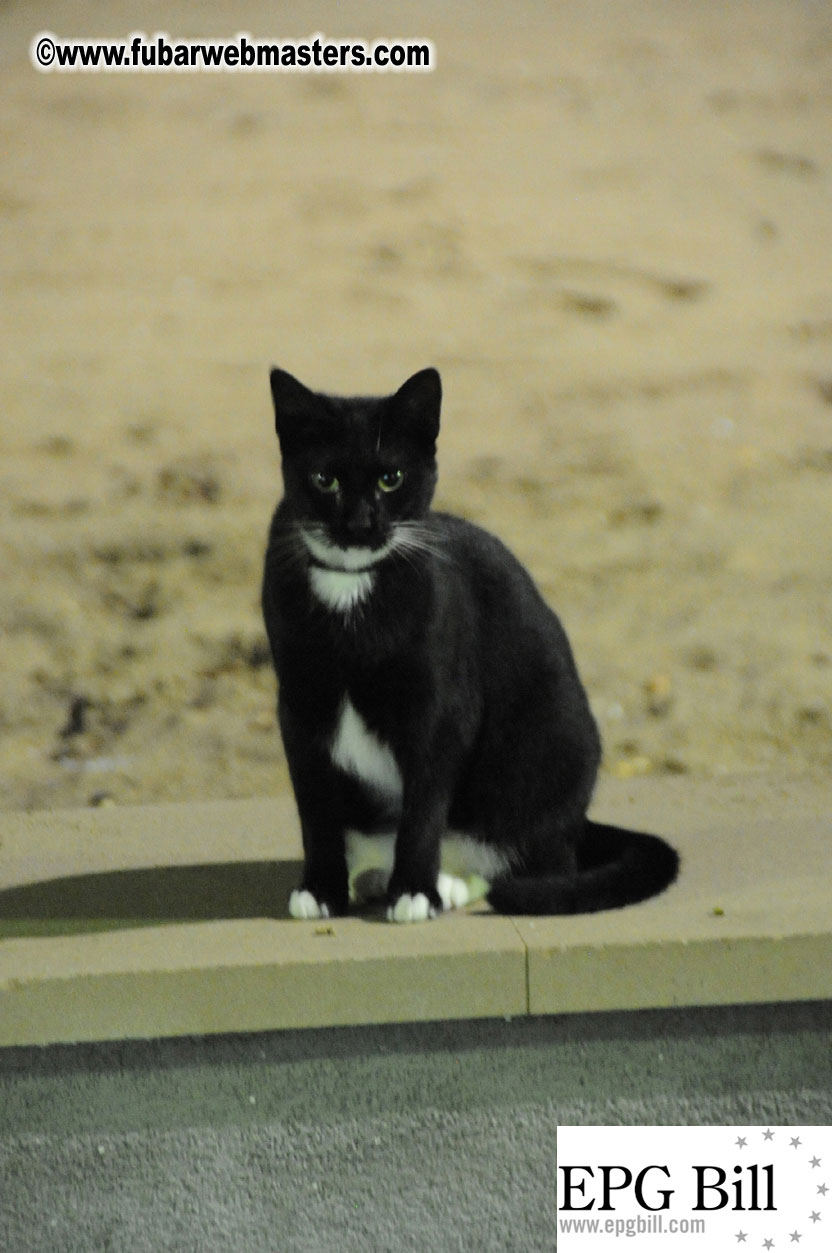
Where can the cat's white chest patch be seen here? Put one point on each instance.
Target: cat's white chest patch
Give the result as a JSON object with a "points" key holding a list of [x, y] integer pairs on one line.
{"points": [[341, 590], [359, 752]]}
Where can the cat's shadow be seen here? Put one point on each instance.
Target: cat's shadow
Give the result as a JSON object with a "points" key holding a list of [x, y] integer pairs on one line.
{"points": [[122, 899]]}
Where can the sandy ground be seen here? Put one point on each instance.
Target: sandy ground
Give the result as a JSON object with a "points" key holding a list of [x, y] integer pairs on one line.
{"points": [[608, 224]]}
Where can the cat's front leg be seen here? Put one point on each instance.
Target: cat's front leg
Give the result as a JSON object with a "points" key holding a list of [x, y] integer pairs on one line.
{"points": [[322, 892], [323, 889], [453, 892], [413, 906], [412, 893]]}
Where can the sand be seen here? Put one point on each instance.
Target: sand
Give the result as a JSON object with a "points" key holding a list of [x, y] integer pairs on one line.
{"points": [[608, 225]]}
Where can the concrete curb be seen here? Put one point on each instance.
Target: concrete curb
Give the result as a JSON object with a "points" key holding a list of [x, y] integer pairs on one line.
{"points": [[168, 920]]}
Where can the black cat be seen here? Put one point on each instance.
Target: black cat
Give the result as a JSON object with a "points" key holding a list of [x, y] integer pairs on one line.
{"points": [[439, 740]]}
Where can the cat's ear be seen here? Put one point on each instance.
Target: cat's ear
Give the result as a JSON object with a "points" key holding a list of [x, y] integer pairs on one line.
{"points": [[295, 406], [418, 401]]}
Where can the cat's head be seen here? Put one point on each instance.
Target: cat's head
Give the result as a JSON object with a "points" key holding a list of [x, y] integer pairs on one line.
{"points": [[356, 469]]}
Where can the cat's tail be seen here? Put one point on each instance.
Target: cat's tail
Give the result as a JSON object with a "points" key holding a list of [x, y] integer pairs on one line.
{"points": [[615, 868]]}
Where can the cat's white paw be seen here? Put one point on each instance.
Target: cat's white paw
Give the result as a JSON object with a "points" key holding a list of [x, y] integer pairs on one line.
{"points": [[302, 904], [453, 891], [416, 908]]}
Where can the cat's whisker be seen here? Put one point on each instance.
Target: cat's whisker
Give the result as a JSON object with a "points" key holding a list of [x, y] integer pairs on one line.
{"points": [[407, 556], [413, 531], [415, 537], [408, 552], [314, 529]]}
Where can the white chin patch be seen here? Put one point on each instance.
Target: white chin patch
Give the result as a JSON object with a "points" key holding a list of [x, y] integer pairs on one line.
{"points": [[341, 590], [348, 559]]}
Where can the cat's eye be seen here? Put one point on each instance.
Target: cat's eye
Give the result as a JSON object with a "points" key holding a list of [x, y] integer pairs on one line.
{"points": [[326, 483], [390, 480]]}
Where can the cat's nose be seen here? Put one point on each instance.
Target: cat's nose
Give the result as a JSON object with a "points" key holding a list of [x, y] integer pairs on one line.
{"points": [[360, 520]]}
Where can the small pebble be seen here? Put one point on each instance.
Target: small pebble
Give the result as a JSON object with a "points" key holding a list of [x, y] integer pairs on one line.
{"points": [[632, 767], [102, 800], [658, 691]]}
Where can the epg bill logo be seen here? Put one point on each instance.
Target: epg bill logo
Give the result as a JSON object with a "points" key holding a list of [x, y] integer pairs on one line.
{"points": [[719, 1188]]}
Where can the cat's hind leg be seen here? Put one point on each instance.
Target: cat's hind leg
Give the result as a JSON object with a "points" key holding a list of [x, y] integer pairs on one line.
{"points": [[369, 866], [466, 870], [464, 876], [454, 892]]}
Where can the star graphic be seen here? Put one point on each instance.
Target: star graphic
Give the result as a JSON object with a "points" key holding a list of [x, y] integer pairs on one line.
{"points": [[768, 1135], [742, 1236], [815, 1161], [795, 1142], [815, 1216], [794, 1236], [768, 1244], [822, 1189], [740, 1142]]}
